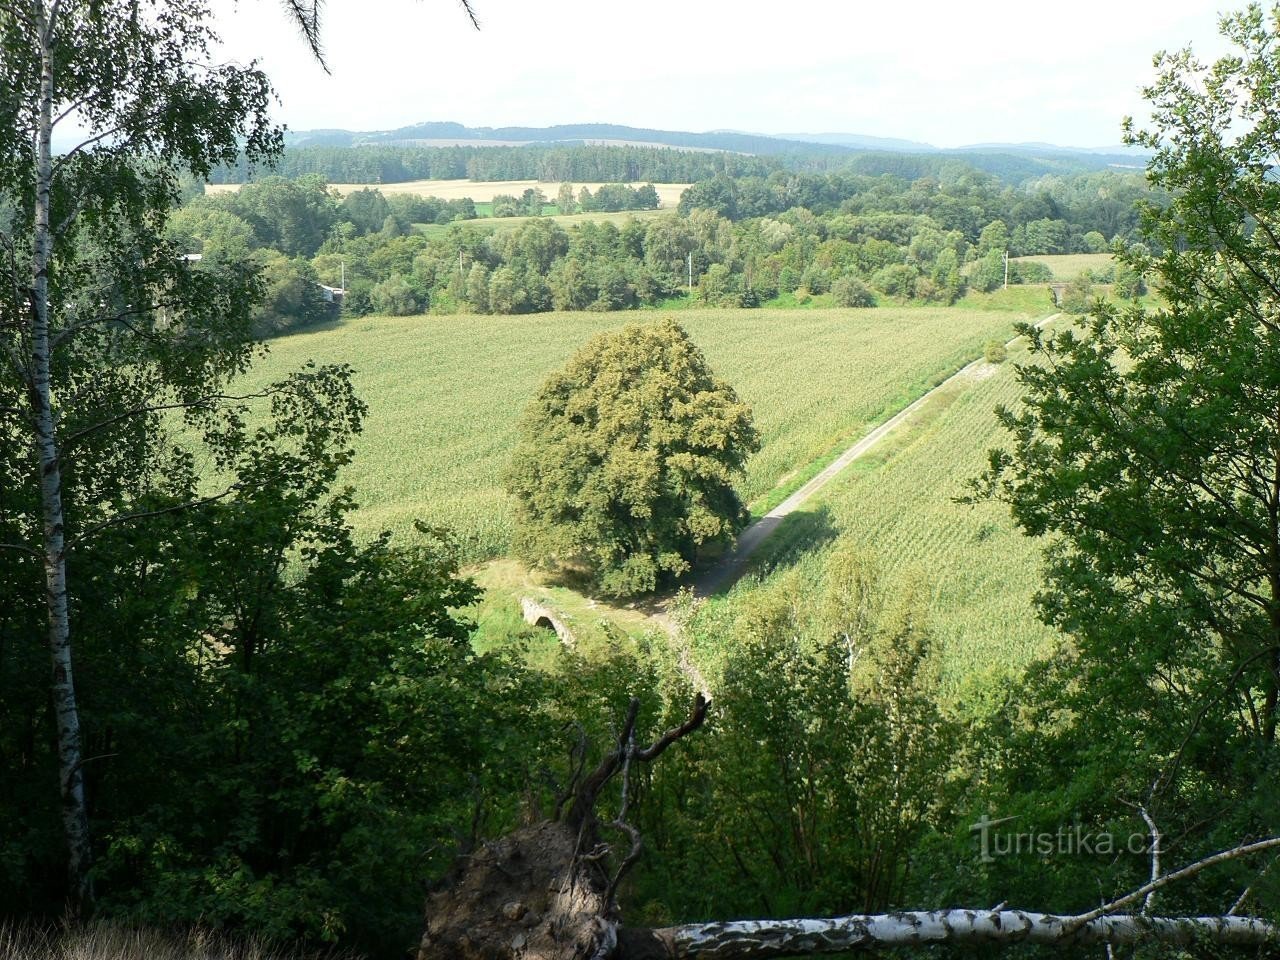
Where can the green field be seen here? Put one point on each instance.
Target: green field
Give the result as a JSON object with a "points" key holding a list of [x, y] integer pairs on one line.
{"points": [[445, 393], [897, 505], [1067, 266]]}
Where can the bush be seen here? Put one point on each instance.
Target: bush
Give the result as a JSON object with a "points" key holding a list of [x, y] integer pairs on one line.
{"points": [[395, 297], [1129, 284], [1078, 297], [1029, 271], [995, 352], [852, 292]]}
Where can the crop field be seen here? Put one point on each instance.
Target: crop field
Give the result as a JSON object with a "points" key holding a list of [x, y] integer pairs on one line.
{"points": [[481, 191], [445, 393], [1066, 266], [897, 505]]}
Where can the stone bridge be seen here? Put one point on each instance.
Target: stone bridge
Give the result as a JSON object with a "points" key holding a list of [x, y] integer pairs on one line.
{"points": [[540, 615]]}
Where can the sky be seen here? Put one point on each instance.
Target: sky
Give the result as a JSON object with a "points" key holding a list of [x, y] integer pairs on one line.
{"points": [[945, 73]]}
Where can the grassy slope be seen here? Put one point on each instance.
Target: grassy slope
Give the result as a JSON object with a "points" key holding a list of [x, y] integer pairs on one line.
{"points": [[445, 393]]}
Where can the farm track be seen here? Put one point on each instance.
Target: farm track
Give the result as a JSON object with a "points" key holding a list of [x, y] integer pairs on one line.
{"points": [[726, 572]]}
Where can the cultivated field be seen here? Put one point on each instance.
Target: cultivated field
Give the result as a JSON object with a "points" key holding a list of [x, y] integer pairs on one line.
{"points": [[1066, 266], [481, 191], [897, 504], [445, 393]]}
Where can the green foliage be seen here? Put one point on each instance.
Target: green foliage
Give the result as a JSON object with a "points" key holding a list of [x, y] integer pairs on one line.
{"points": [[995, 352], [291, 216], [1145, 453], [1029, 271], [852, 292], [825, 764], [291, 297], [366, 210], [1078, 297], [627, 459], [395, 297], [1129, 283]]}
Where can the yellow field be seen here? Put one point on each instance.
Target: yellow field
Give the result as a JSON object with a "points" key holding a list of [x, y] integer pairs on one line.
{"points": [[481, 191]]}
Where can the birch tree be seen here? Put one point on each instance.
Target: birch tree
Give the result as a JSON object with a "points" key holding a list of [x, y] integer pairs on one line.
{"points": [[104, 328]]}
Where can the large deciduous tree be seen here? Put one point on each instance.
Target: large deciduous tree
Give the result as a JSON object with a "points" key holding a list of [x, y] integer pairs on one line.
{"points": [[627, 459]]}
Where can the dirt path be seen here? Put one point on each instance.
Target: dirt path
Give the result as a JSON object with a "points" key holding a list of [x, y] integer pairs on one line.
{"points": [[726, 572]]}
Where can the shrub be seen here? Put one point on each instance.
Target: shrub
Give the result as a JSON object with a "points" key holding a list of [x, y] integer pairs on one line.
{"points": [[995, 352], [852, 292], [1078, 297]]}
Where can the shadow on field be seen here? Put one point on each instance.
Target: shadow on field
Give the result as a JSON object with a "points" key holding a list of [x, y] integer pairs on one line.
{"points": [[800, 534], [771, 543]]}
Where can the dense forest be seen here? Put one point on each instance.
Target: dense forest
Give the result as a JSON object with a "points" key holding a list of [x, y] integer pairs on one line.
{"points": [[402, 162]]}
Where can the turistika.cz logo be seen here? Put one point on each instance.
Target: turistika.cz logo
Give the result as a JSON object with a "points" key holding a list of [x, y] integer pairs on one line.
{"points": [[1067, 840]]}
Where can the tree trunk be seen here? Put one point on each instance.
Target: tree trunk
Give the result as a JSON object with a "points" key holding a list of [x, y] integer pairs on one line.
{"points": [[75, 819], [544, 892], [777, 938]]}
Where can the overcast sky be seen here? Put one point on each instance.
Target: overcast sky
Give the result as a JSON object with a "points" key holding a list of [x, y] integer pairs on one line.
{"points": [[947, 73]]}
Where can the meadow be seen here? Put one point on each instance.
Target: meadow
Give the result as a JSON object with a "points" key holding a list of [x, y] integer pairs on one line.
{"points": [[445, 393], [898, 505]]}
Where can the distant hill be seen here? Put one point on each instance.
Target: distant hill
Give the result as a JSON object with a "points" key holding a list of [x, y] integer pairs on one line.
{"points": [[1013, 162], [575, 134], [861, 141]]}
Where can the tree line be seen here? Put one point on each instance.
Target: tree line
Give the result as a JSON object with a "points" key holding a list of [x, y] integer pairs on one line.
{"points": [[590, 164], [850, 240]]}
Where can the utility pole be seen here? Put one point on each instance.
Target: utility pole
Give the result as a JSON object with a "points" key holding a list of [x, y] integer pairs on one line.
{"points": [[691, 273], [1006, 269], [343, 283]]}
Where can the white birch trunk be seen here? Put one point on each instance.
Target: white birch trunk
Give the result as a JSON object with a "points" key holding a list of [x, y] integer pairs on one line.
{"points": [[75, 818], [776, 938]]}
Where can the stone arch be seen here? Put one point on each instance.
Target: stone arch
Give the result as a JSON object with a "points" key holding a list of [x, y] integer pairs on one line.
{"points": [[540, 615]]}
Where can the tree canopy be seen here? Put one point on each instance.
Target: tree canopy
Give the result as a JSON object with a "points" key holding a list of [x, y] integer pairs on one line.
{"points": [[1147, 452], [627, 458]]}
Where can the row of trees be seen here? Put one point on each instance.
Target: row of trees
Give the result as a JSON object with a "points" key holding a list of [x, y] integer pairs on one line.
{"points": [[1047, 215], [580, 164], [859, 241]]}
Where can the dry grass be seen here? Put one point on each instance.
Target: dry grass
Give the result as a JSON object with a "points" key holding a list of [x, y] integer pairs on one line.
{"points": [[481, 191], [103, 941]]}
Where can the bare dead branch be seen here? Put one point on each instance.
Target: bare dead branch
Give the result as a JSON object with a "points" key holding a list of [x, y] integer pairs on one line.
{"points": [[700, 704]]}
